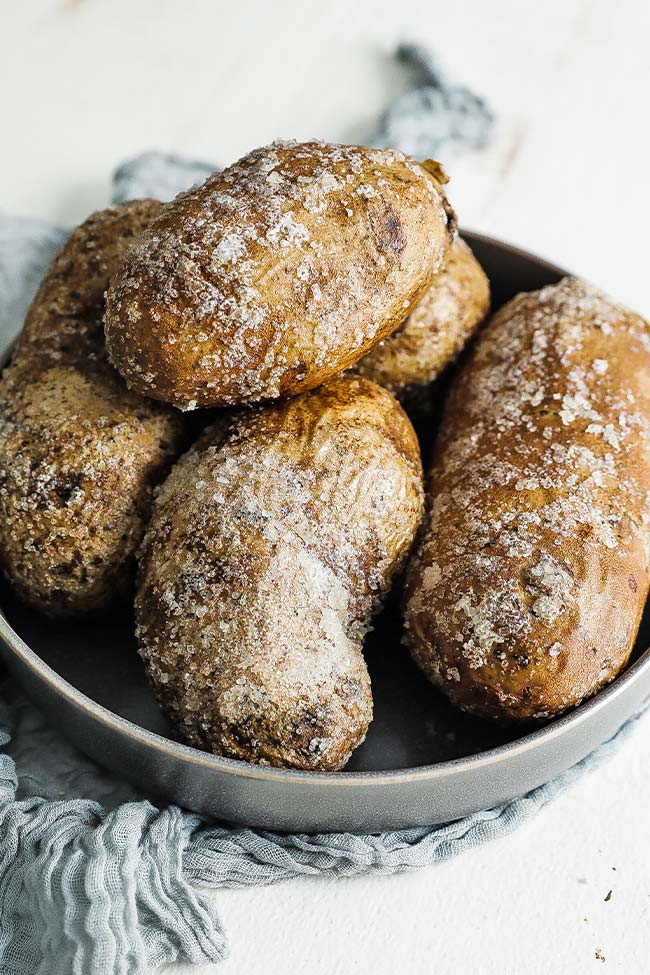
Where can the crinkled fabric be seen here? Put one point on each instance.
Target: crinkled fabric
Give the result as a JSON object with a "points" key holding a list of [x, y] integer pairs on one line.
{"points": [[437, 118], [159, 174]]}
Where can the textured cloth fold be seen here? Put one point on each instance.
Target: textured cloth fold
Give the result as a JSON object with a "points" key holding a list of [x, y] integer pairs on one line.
{"points": [[159, 174], [106, 883], [436, 118], [85, 891]]}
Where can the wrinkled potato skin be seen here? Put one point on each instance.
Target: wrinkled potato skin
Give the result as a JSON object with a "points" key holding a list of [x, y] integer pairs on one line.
{"points": [[527, 590], [437, 329], [277, 274], [79, 452], [270, 546], [64, 322]]}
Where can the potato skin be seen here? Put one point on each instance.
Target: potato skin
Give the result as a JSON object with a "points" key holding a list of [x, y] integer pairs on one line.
{"points": [[271, 544], [79, 452], [64, 321], [437, 329], [276, 274], [528, 587]]}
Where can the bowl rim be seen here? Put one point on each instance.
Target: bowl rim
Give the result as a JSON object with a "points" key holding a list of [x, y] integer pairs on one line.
{"points": [[548, 733]]}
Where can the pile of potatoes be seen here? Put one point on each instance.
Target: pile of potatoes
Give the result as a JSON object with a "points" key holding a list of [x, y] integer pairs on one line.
{"points": [[304, 297]]}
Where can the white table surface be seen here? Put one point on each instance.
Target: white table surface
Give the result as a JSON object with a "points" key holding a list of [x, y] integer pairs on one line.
{"points": [[84, 83]]}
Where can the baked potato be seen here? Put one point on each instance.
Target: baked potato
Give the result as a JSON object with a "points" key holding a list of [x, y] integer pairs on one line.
{"points": [[437, 329], [527, 590], [276, 274], [270, 546], [79, 452]]}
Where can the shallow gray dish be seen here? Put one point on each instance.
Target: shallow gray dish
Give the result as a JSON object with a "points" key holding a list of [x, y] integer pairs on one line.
{"points": [[423, 762]]}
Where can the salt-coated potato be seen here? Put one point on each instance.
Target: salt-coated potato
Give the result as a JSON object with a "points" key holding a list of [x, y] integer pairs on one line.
{"points": [[271, 545], [437, 329], [79, 452], [276, 274], [527, 590]]}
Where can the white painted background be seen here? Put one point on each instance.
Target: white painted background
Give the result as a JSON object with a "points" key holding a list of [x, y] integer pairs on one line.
{"points": [[84, 83]]}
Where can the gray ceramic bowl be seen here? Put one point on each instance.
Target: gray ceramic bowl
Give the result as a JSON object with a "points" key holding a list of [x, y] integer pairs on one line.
{"points": [[423, 761]]}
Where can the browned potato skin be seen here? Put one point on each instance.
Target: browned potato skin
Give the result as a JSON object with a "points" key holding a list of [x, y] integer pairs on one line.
{"points": [[437, 329], [271, 545], [64, 322], [528, 587], [276, 274], [79, 452]]}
